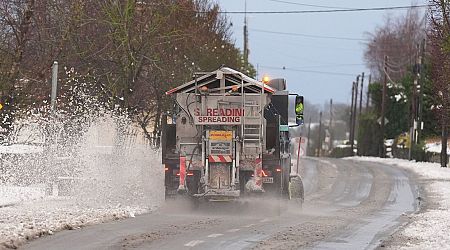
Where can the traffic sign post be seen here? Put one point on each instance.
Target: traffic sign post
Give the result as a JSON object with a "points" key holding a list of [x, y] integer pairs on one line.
{"points": [[54, 85]]}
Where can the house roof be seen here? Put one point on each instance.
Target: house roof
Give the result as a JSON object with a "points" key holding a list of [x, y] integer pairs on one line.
{"points": [[232, 78]]}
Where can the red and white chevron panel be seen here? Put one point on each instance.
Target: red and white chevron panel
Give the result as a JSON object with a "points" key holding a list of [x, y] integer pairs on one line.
{"points": [[220, 158]]}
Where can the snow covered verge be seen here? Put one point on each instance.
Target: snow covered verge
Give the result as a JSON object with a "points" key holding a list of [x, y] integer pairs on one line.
{"points": [[428, 228], [106, 172], [10, 195], [435, 147], [31, 220]]}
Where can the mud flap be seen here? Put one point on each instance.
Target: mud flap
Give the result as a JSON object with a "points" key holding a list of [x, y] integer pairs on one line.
{"points": [[296, 191], [182, 184], [255, 184]]}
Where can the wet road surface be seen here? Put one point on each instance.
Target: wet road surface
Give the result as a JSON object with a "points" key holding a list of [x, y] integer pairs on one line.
{"points": [[348, 205]]}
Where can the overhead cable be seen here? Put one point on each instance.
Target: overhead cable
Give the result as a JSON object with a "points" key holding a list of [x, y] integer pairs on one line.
{"points": [[306, 71], [321, 11], [307, 35], [308, 5]]}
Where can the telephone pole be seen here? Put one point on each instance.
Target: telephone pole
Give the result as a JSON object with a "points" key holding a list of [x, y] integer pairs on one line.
{"points": [[319, 142], [246, 50], [309, 134], [368, 92], [361, 94], [350, 137], [354, 113], [330, 147], [420, 92], [383, 104], [414, 105]]}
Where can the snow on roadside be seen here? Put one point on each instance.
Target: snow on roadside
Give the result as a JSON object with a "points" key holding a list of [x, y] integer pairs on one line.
{"points": [[20, 149], [428, 229], [10, 195], [31, 220], [435, 147], [108, 172]]}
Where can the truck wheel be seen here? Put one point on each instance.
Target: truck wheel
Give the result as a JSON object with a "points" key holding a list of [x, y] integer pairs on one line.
{"points": [[296, 191], [286, 179]]}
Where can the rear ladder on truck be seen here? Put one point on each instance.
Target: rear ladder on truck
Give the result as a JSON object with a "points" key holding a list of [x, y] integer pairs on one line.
{"points": [[252, 128]]}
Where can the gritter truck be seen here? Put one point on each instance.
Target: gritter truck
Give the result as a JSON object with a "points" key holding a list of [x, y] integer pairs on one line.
{"points": [[229, 137]]}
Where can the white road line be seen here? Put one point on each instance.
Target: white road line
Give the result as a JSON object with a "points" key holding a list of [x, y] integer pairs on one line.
{"points": [[250, 225], [214, 235], [234, 230], [264, 220], [193, 243]]}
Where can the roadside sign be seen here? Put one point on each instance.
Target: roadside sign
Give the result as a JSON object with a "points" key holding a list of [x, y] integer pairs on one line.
{"points": [[1, 106], [386, 121]]}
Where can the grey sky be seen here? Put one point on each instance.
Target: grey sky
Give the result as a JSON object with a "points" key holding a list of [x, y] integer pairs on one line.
{"points": [[272, 51]]}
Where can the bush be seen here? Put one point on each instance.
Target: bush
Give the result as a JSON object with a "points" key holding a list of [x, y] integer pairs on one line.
{"points": [[369, 135], [341, 152], [418, 152]]}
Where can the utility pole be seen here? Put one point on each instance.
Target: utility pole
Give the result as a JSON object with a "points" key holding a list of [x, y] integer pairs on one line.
{"points": [[330, 147], [54, 86], [420, 92], [383, 104], [319, 142], [309, 134], [444, 156], [350, 137], [368, 92], [354, 112], [413, 121], [361, 94], [246, 50]]}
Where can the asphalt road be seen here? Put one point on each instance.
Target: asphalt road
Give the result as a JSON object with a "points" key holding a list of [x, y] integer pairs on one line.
{"points": [[347, 206]]}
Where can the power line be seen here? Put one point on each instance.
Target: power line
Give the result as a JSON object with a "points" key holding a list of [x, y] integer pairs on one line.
{"points": [[320, 11], [329, 65], [333, 65], [309, 5], [307, 35], [306, 71]]}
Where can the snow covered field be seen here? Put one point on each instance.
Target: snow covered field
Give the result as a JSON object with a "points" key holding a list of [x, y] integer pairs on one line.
{"points": [[429, 227]]}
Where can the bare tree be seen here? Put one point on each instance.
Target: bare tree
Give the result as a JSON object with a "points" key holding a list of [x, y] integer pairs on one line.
{"points": [[439, 37], [397, 39], [131, 51]]}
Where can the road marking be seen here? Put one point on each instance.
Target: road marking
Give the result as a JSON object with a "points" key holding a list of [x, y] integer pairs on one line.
{"points": [[264, 220], [193, 243], [214, 235], [234, 230], [250, 225]]}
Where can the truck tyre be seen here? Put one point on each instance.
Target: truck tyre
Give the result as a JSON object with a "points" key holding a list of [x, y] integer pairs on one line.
{"points": [[296, 191], [286, 179]]}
